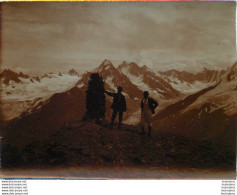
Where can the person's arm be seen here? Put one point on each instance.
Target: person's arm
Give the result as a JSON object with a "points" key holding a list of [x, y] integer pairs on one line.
{"points": [[109, 93], [155, 103]]}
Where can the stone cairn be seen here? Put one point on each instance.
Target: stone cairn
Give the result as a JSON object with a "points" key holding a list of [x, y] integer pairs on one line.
{"points": [[95, 98]]}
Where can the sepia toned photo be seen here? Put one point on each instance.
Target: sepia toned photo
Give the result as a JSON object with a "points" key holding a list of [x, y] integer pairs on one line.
{"points": [[118, 90]]}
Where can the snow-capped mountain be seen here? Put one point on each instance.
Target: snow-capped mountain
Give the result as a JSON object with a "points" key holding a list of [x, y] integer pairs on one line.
{"points": [[147, 80], [224, 96], [134, 80], [24, 87], [7, 76], [73, 72], [51, 134], [188, 83], [23, 75], [20, 91], [45, 118], [208, 114], [112, 79]]}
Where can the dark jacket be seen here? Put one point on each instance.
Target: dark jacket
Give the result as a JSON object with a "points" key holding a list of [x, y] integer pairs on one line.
{"points": [[118, 105], [152, 105]]}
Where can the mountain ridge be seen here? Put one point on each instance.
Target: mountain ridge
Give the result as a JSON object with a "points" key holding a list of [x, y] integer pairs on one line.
{"points": [[197, 131]]}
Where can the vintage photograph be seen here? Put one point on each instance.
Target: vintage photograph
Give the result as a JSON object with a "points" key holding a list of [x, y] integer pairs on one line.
{"points": [[118, 90]]}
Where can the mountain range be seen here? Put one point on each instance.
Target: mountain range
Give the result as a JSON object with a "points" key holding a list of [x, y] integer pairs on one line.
{"points": [[209, 111], [191, 82], [20, 91], [194, 125]]}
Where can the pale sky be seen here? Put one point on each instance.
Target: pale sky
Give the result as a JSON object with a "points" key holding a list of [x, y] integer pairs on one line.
{"points": [[42, 37]]}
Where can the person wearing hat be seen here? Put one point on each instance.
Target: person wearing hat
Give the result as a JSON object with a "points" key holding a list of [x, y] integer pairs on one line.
{"points": [[118, 105], [148, 106]]}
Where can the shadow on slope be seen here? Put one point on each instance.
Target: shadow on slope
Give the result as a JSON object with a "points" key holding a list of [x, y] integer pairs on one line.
{"points": [[180, 105], [207, 122]]}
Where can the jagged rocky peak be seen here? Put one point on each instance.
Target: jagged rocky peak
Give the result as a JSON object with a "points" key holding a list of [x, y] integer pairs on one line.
{"points": [[73, 72], [234, 67], [105, 65], [145, 67], [132, 66], [105, 69], [123, 65], [128, 65], [7, 72], [45, 76], [204, 69], [37, 78], [23, 75], [106, 62], [9, 75], [231, 72], [205, 75]]}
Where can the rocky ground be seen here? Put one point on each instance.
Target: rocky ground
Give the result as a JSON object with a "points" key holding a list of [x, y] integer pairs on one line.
{"points": [[84, 144]]}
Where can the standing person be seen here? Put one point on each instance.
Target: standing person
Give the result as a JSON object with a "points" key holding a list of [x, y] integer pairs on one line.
{"points": [[118, 105], [148, 106]]}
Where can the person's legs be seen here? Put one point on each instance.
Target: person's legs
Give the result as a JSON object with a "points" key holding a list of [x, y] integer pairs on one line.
{"points": [[149, 123], [142, 124], [113, 117], [120, 118]]}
